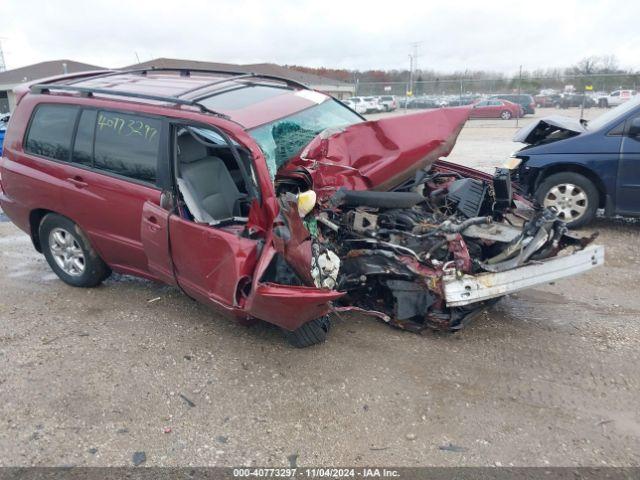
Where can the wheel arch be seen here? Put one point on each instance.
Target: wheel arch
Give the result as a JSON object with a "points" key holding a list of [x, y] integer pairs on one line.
{"points": [[35, 219], [574, 168]]}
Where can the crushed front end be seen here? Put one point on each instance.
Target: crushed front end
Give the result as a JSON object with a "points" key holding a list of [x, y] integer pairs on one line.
{"points": [[414, 240], [413, 255]]}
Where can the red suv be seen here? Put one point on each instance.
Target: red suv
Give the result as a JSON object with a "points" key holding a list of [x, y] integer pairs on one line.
{"points": [[268, 200]]}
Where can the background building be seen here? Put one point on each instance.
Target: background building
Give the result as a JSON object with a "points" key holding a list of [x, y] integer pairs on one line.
{"points": [[12, 78], [330, 86]]}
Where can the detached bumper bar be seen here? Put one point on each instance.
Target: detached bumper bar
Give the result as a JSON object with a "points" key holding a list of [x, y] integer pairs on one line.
{"points": [[476, 288]]}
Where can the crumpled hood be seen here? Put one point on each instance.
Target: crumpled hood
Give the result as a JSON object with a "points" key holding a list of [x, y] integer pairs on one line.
{"points": [[552, 128], [380, 154]]}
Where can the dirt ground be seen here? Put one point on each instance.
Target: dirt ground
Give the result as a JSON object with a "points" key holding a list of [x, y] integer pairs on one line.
{"points": [[546, 377]]}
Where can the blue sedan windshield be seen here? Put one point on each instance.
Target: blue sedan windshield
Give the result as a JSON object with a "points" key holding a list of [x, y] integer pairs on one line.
{"points": [[613, 114]]}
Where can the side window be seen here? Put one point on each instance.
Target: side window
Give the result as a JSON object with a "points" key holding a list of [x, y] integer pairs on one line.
{"points": [[51, 130], [83, 146], [127, 145], [615, 94]]}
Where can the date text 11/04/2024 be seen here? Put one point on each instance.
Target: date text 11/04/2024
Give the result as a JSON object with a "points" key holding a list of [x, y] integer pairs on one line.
{"points": [[326, 472]]}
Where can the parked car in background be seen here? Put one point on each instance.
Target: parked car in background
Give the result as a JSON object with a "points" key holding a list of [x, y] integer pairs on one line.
{"points": [[364, 104], [577, 166], [388, 102], [525, 100], [424, 102], [568, 100], [546, 101], [496, 108], [4, 119], [616, 98], [356, 105], [376, 106], [458, 101]]}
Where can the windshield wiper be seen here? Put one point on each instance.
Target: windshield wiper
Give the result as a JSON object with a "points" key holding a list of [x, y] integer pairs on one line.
{"points": [[228, 221]]}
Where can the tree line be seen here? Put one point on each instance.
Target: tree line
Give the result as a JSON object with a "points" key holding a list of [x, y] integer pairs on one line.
{"points": [[600, 72]]}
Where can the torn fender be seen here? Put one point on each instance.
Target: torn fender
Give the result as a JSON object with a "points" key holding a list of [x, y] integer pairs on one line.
{"points": [[286, 306], [290, 307], [381, 154]]}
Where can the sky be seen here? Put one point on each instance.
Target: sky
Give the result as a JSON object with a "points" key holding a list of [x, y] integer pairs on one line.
{"points": [[454, 35]]}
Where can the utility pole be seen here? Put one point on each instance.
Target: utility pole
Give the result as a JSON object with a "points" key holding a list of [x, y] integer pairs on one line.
{"points": [[413, 63], [519, 90], [413, 57], [3, 67]]}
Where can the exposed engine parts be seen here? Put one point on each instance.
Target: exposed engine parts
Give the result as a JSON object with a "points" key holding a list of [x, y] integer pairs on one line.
{"points": [[390, 250]]}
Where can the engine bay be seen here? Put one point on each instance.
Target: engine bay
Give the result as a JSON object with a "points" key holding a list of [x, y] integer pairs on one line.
{"points": [[390, 250]]}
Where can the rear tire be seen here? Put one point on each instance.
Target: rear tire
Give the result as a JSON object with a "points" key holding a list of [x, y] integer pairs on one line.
{"points": [[505, 115], [574, 196], [69, 253], [311, 333]]}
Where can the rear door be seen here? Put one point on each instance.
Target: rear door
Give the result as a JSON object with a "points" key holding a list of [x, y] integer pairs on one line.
{"points": [[628, 191], [114, 172]]}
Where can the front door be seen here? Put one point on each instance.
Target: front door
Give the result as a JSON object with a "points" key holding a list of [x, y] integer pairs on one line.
{"points": [[211, 263], [628, 192]]}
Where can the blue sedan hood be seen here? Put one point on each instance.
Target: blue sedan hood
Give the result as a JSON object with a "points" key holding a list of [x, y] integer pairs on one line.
{"points": [[549, 129]]}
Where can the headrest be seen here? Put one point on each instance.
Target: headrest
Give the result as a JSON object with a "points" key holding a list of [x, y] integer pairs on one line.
{"points": [[190, 149]]}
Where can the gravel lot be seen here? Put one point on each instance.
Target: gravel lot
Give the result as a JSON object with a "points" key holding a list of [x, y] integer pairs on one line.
{"points": [[546, 377]]}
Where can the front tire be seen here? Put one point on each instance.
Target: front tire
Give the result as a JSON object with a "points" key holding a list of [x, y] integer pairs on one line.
{"points": [[574, 197], [311, 333], [69, 253], [505, 115]]}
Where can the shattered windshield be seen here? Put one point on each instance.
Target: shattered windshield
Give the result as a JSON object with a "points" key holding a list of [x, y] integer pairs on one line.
{"points": [[282, 139]]}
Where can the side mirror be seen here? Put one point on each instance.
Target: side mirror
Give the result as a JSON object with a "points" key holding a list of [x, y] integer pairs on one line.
{"points": [[634, 128]]}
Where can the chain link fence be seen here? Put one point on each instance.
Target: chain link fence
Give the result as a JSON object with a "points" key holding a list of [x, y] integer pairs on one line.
{"points": [[487, 86]]}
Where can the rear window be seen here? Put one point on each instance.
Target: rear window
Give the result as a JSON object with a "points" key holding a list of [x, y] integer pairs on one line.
{"points": [[127, 145], [83, 146], [51, 130]]}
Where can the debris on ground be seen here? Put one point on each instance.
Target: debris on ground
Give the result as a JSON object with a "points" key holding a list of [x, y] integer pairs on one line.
{"points": [[139, 458], [187, 401]]}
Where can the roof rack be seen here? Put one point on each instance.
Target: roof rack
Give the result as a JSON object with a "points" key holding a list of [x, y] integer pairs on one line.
{"points": [[186, 72], [44, 88]]}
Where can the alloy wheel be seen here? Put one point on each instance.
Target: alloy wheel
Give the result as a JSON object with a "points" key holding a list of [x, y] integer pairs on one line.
{"points": [[569, 200], [67, 252]]}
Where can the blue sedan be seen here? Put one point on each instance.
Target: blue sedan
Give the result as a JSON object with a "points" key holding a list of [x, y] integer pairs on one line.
{"points": [[578, 166]]}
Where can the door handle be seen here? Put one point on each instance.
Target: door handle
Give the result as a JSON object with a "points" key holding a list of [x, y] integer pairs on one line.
{"points": [[78, 181], [152, 223]]}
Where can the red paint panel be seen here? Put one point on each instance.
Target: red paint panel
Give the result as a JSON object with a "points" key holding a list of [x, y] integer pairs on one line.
{"points": [[210, 261], [290, 307], [380, 154], [154, 232]]}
